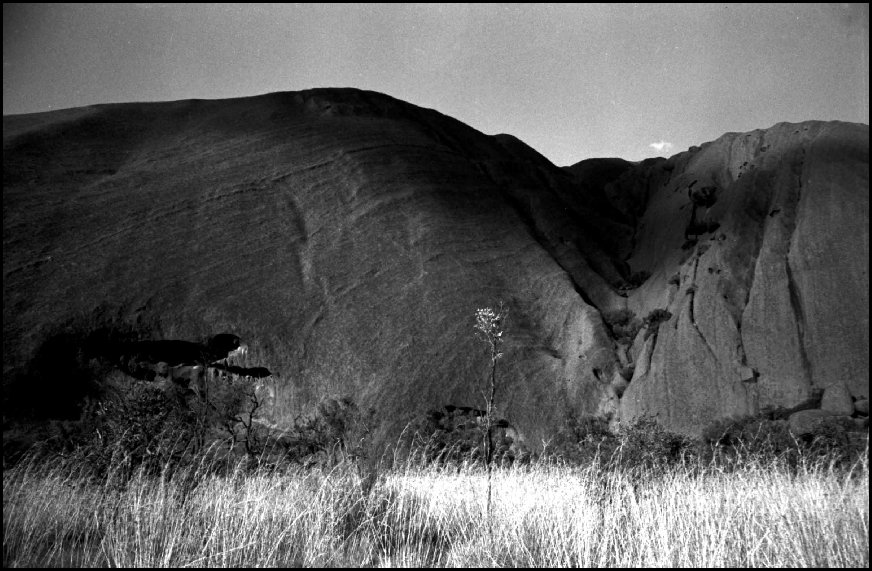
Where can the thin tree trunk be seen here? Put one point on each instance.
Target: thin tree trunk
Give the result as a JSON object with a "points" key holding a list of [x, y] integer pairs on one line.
{"points": [[488, 439]]}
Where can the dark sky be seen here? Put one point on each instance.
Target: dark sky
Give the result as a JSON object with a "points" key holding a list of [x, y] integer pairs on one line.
{"points": [[573, 81]]}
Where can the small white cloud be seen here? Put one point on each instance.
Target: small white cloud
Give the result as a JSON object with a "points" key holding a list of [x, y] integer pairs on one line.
{"points": [[661, 146]]}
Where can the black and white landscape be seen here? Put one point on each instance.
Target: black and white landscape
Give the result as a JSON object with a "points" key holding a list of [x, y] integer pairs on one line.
{"points": [[270, 309]]}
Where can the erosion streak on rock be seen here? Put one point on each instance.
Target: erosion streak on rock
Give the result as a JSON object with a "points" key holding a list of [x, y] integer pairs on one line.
{"points": [[792, 206], [349, 235]]}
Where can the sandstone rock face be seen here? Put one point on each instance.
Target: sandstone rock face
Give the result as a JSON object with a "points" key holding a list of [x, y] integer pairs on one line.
{"points": [[348, 238], [345, 236], [772, 268]]}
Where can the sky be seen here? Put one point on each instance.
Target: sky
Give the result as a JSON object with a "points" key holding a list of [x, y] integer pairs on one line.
{"points": [[574, 81]]}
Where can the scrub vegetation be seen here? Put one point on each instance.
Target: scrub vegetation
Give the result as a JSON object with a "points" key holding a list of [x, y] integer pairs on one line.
{"points": [[632, 499], [149, 481]]}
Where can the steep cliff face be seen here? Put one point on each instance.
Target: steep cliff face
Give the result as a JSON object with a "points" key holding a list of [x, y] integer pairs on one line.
{"points": [[348, 238], [758, 246]]}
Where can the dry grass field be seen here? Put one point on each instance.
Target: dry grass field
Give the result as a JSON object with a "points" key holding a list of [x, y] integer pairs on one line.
{"points": [[413, 515]]}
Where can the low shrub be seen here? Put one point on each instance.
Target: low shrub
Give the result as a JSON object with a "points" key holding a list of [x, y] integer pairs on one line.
{"points": [[647, 446], [653, 320], [623, 324], [639, 446], [763, 439], [583, 440], [705, 196], [334, 430]]}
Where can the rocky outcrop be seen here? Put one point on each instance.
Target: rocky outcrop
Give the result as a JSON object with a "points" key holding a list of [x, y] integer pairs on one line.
{"points": [[349, 238], [772, 298], [837, 400]]}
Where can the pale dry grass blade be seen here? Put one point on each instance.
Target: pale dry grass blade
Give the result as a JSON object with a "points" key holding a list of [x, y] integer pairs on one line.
{"points": [[426, 516]]}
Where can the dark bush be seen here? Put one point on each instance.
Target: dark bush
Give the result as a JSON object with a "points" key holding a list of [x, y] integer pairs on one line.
{"points": [[698, 227], [458, 437], [127, 424], [623, 324], [705, 196], [654, 319], [641, 446], [335, 430], [143, 429], [759, 438], [448, 442], [646, 445], [583, 440], [68, 366]]}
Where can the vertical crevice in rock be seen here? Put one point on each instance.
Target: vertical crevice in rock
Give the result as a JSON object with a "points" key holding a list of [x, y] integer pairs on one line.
{"points": [[760, 182], [798, 316], [740, 348], [792, 289], [654, 341], [691, 291]]}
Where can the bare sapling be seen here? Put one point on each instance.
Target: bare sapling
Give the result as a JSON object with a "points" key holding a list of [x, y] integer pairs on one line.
{"points": [[490, 328]]}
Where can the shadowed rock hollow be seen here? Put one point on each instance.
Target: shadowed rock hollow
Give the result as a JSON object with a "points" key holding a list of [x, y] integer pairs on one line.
{"points": [[348, 238]]}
